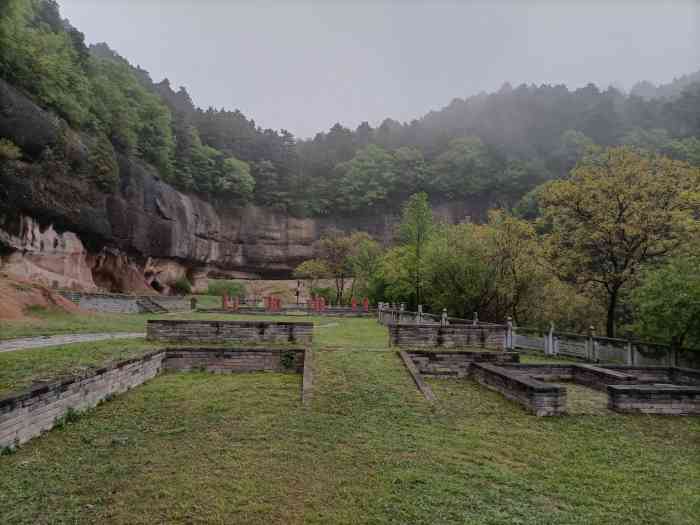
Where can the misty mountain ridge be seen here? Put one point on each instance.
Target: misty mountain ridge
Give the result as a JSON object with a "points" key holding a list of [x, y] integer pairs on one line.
{"points": [[492, 147]]}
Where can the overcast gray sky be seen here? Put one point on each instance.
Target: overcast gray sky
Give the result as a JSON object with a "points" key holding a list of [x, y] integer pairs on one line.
{"points": [[303, 66]]}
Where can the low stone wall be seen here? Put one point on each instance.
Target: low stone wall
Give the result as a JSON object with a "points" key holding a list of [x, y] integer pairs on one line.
{"points": [[222, 360], [126, 304], [28, 414], [646, 374], [686, 376], [456, 363], [539, 398], [678, 400], [230, 331], [427, 335]]}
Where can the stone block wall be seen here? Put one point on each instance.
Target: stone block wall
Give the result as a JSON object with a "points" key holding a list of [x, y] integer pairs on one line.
{"points": [[434, 335], [456, 363], [123, 303], [646, 374], [675, 400], [599, 378], [28, 414], [686, 376], [220, 360], [541, 399], [543, 372], [230, 331]]}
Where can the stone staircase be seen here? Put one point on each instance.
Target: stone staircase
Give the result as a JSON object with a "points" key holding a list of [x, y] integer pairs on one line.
{"points": [[150, 306]]}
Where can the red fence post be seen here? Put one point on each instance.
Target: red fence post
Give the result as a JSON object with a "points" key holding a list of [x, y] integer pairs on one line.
{"points": [[353, 302], [365, 304]]}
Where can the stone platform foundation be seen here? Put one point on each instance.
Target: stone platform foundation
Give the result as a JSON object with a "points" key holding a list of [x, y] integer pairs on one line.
{"points": [[26, 415]]}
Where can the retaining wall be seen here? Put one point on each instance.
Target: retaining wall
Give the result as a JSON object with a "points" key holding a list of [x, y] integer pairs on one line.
{"points": [[405, 335], [28, 414], [675, 400], [456, 363], [125, 304], [230, 331], [539, 398], [219, 360]]}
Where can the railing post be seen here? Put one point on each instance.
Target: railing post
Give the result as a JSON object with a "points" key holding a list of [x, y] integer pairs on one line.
{"points": [[630, 354], [443, 319], [510, 343], [549, 340], [420, 313], [592, 350], [476, 319]]}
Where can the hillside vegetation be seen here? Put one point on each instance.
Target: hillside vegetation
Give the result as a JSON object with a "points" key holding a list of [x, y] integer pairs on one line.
{"points": [[494, 147]]}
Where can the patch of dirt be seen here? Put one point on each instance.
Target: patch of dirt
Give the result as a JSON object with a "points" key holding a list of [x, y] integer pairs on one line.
{"points": [[18, 298]]}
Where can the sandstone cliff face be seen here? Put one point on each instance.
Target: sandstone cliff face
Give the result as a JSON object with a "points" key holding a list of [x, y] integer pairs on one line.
{"points": [[59, 229], [147, 234]]}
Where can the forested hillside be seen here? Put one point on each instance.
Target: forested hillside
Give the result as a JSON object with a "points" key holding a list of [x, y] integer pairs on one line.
{"points": [[494, 147]]}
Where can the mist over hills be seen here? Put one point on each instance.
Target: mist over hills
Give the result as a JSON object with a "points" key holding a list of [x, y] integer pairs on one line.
{"points": [[494, 147]]}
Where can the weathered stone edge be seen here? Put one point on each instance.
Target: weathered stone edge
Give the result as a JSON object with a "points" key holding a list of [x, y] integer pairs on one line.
{"points": [[417, 377]]}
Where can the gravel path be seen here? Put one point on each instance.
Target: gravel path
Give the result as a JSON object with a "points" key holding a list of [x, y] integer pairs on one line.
{"points": [[56, 340]]}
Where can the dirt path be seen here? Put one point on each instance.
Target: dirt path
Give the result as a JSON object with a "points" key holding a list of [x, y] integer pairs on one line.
{"points": [[57, 340]]}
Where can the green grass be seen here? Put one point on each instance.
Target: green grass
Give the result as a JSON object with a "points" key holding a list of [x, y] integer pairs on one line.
{"points": [[200, 448], [52, 322], [20, 368]]}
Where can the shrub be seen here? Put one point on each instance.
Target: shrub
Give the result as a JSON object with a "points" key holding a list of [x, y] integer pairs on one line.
{"points": [[182, 286], [232, 288], [327, 293], [9, 150], [287, 360]]}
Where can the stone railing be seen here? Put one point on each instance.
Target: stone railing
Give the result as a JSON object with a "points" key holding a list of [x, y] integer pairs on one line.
{"points": [[127, 304], [230, 331], [597, 349]]}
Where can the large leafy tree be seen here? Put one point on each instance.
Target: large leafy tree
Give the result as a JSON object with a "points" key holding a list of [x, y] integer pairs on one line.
{"points": [[464, 168], [667, 303], [38, 55], [492, 269], [416, 227], [367, 179], [614, 214], [337, 250], [312, 271]]}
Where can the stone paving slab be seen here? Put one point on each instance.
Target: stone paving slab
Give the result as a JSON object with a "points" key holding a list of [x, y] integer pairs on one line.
{"points": [[67, 339]]}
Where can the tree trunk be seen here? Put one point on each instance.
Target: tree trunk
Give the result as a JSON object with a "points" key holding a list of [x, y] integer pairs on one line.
{"points": [[612, 307]]}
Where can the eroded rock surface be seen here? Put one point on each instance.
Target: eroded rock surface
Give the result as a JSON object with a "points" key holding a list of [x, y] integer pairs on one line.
{"points": [[58, 228]]}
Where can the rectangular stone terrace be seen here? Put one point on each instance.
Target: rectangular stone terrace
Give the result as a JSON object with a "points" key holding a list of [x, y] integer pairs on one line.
{"points": [[25, 415], [541, 388]]}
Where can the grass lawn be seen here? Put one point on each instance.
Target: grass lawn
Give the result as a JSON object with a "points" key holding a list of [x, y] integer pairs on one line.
{"points": [[201, 448], [51, 322]]}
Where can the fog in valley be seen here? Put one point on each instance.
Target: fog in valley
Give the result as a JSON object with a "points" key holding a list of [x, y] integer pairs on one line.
{"points": [[304, 66]]}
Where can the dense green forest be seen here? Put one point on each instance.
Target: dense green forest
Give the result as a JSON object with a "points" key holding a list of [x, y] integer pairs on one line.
{"points": [[494, 147]]}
